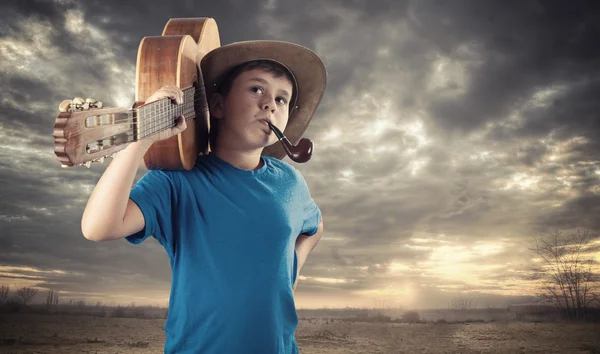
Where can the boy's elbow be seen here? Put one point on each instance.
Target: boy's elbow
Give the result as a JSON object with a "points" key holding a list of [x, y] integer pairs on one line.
{"points": [[91, 233]]}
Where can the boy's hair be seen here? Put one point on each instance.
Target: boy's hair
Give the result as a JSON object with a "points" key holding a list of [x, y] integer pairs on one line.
{"points": [[271, 67], [225, 85]]}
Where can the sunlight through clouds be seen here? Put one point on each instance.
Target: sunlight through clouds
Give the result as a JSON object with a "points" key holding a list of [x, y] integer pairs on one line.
{"points": [[468, 265], [382, 150], [332, 134], [20, 276], [521, 181], [488, 248], [32, 270], [398, 267], [417, 130], [326, 280], [74, 21], [417, 165], [383, 118], [346, 176]]}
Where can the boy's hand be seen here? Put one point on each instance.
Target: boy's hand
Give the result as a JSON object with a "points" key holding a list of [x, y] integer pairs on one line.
{"points": [[175, 94]]}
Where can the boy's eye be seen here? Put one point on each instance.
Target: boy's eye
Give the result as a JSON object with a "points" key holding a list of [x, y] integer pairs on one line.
{"points": [[257, 89]]}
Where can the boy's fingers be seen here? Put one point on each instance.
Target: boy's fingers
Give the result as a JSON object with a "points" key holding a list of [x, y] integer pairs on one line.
{"points": [[181, 123], [175, 94]]}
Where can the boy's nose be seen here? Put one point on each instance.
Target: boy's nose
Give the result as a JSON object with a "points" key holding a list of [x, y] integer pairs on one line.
{"points": [[269, 104]]}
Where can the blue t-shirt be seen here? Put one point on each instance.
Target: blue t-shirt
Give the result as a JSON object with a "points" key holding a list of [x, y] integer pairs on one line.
{"points": [[230, 236]]}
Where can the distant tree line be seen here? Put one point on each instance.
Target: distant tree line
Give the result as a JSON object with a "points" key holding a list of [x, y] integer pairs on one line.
{"points": [[22, 299]]}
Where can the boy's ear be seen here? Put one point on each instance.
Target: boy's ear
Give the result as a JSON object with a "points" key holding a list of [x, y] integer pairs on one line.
{"points": [[217, 106]]}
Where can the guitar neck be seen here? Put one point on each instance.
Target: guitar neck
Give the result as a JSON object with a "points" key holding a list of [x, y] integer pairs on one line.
{"points": [[162, 115]]}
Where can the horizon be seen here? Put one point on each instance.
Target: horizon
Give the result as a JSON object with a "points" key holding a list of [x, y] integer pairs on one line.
{"points": [[518, 300], [476, 301]]}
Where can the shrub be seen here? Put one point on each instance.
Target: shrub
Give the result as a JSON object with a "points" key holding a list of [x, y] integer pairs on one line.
{"points": [[411, 317]]}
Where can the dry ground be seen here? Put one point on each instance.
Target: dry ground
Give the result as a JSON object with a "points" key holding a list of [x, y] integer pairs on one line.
{"points": [[84, 334]]}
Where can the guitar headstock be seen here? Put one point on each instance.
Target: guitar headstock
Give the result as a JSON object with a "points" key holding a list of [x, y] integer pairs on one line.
{"points": [[86, 132]]}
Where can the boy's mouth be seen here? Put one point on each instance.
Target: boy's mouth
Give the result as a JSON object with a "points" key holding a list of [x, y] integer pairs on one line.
{"points": [[265, 122]]}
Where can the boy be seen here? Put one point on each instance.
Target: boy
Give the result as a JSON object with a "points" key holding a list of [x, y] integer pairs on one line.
{"points": [[239, 226]]}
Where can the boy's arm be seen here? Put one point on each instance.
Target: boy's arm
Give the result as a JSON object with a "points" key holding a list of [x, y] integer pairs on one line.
{"points": [[304, 245], [109, 213]]}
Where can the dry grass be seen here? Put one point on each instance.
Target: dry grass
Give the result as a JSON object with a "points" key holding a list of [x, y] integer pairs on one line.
{"points": [[341, 336], [31, 333]]}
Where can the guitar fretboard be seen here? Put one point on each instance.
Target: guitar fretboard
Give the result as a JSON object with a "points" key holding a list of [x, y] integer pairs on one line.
{"points": [[162, 114]]}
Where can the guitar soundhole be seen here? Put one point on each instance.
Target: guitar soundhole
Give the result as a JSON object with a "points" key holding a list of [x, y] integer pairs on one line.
{"points": [[104, 144]]}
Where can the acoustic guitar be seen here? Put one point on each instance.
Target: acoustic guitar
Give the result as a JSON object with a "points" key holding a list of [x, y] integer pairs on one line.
{"points": [[86, 132]]}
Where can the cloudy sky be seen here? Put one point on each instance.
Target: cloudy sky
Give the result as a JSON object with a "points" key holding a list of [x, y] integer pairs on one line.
{"points": [[450, 134]]}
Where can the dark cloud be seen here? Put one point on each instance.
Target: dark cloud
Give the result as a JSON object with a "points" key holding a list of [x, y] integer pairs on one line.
{"points": [[43, 10], [21, 92], [581, 212], [522, 48]]}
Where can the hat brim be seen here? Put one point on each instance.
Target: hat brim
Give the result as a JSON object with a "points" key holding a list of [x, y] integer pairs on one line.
{"points": [[307, 68]]}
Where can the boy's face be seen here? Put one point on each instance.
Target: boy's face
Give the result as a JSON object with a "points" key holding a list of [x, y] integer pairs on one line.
{"points": [[255, 96]]}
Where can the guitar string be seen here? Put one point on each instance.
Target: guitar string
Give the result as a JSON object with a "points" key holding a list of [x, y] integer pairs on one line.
{"points": [[156, 123], [160, 110], [130, 138], [161, 114], [164, 116]]}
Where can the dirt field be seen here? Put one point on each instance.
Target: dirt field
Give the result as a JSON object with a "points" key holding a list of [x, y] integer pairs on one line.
{"points": [[82, 334]]}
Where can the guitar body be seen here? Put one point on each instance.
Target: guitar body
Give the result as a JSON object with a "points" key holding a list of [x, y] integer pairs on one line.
{"points": [[173, 59]]}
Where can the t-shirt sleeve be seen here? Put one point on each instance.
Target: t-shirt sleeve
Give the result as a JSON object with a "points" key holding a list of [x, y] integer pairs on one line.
{"points": [[311, 213], [155, 195]]}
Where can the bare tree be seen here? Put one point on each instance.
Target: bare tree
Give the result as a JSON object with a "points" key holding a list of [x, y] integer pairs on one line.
{"points": [[4, 290], [26, 294], [565, 271], [463, 303]]}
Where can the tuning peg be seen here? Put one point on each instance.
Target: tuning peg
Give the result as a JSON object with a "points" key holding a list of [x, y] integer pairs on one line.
{"points": [[78, 100], [88, 164], [93, 103], [64, 105], [101, 160]]}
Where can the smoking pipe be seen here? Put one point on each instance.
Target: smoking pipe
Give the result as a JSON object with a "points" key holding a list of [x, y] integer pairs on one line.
{"points": [[299, 153]]}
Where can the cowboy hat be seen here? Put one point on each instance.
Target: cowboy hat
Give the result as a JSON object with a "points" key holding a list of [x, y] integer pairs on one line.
{"points": [[306, 68]]}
